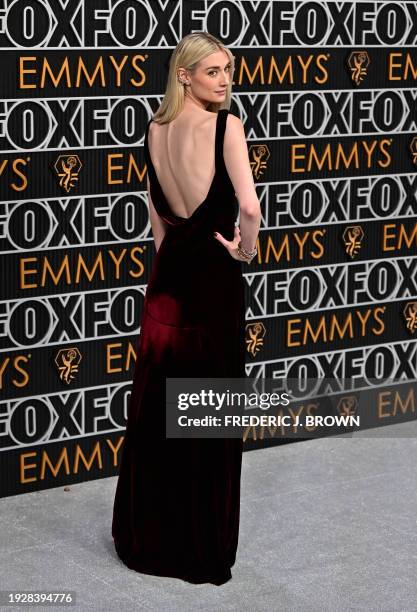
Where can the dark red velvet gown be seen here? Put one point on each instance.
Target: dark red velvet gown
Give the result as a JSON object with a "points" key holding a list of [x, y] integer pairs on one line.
{"points": [[176, 509]]}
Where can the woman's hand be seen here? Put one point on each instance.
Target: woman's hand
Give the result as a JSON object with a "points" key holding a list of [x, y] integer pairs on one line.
{"points": [[231, 245]]}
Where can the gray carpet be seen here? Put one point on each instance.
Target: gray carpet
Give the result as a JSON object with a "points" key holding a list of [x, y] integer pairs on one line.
{"points": [[326, 525]]}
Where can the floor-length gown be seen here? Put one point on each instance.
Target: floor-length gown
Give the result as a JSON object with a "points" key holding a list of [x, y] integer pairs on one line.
{"points": [[177, 503]]}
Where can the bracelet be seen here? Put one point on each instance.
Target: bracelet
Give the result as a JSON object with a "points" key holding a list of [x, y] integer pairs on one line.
{"points": [[245, 257], [247, 253]]}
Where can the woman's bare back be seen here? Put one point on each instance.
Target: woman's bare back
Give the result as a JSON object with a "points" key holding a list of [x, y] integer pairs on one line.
{"points": [[183, 153]]}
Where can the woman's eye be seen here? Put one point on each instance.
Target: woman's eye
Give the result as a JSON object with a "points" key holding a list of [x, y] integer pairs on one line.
{"points": [[215, 71]]}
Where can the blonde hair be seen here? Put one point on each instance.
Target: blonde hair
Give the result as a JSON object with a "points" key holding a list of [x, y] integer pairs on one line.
{"points": [[187, 54]]}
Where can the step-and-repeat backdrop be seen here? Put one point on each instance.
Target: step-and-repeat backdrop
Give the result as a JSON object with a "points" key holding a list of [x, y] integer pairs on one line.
{"points": [[327, 93]]}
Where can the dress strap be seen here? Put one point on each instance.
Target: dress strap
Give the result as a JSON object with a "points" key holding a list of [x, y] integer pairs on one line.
{"points": [[145, 145], [220, 130]]}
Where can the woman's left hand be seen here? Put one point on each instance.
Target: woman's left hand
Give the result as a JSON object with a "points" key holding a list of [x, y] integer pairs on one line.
{"points": [[231, 245]]}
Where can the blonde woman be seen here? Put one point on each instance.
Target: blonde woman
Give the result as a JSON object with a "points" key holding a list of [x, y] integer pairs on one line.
{"points": [[176, 509]]}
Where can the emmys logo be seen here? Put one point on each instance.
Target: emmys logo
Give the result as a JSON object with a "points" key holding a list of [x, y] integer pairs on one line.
{"points": [[413, 149], [358, 63], [259, 155], [255, 333], [68, 167], [347, 405], [410, 315], [67, 361], [352, 237]]}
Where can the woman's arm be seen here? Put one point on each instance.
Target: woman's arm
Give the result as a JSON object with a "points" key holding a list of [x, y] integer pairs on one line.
{"points": [[236, 159], [159, 227]]}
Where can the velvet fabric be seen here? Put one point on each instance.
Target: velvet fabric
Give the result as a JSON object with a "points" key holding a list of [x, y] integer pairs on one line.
{"points": [[177, 503]]}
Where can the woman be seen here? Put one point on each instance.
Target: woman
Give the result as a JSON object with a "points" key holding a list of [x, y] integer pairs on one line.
{"points": [[176, 509]]}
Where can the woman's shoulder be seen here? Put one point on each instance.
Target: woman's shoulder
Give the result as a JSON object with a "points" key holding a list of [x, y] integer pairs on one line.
{"points": [[235, 130]]}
